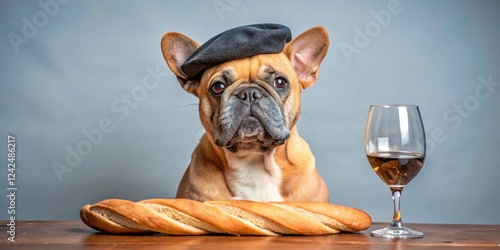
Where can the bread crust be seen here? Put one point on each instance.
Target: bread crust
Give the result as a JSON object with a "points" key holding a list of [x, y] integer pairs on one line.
{"points": [[235, 217]]}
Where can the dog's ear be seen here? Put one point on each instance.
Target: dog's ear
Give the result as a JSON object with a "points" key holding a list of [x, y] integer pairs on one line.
{"points": [[306, 53], [176, 48]]}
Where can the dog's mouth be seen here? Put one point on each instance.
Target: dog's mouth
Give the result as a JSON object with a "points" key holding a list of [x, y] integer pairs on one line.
{"points": [[250, 119], [251, 135]]}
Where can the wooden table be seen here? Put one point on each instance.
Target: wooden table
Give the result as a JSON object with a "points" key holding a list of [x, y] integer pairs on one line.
{"points": [[76, 235]]}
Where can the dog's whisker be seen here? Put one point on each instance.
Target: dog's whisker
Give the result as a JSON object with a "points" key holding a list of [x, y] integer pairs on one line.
{"points": [[186, 105], [200, 128], [304, 115]]}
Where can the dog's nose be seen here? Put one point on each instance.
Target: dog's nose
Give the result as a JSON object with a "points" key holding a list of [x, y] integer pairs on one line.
{"points": [[249, 94]]}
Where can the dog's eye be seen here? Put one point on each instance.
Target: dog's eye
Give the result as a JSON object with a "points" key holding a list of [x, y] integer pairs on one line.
{"points": [[280, 82], [217, 88]]}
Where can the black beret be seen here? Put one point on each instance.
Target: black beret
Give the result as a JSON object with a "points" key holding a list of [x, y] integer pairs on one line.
{"points": [[237, 43]]}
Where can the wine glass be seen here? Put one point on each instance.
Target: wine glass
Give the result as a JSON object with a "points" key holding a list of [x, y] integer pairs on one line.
{"points": [[395, 148]]}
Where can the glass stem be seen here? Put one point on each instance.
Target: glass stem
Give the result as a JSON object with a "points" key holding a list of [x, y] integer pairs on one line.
{"points": [[396, 217]]}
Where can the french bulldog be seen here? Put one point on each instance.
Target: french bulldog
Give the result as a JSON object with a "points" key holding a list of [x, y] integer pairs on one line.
{"points": [[249, 108]]}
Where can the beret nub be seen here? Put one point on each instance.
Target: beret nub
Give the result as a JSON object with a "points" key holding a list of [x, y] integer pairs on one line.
{"points": [[237, 43]]}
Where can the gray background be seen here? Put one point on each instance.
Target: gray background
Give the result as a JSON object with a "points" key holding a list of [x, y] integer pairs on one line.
{"points": [[85, 56]]}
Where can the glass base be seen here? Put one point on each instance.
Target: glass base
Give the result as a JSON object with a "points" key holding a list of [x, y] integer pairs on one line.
{"points": [[397, 232]]}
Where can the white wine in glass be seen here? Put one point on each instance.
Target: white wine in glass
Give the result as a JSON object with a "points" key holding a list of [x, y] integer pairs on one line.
{"points": [[395, 148]]}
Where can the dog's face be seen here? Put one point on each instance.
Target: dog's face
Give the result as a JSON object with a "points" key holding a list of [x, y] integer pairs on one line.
{"points": [[251, 104]]}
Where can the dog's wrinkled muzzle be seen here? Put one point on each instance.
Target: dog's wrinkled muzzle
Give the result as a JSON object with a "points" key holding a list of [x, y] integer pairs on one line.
{"points": [[251, 118]]}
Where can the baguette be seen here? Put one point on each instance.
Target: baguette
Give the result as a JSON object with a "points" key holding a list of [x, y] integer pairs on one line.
{"points": [[235, 217]]}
